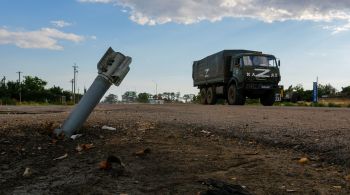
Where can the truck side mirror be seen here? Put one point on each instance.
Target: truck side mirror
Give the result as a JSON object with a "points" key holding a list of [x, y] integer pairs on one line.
{"points": [[279, 63]]}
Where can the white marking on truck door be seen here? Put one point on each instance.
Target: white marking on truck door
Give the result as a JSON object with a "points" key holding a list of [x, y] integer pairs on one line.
{"points": [[206, 73], [263, 73]]}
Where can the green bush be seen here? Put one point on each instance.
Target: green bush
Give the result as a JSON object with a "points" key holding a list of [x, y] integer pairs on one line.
{"points": [[302, 104], [333, 105], [252, 101], [349, 106], [288, 104], [318, 104], [7, 101]]}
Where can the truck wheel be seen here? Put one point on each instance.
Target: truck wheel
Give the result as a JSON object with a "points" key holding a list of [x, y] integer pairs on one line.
{"points": [[211, 96], [268, 99], [235, 96], [203, 93]]}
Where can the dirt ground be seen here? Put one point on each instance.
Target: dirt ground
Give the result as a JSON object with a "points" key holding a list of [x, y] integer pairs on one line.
{"points": [[172, 149]]}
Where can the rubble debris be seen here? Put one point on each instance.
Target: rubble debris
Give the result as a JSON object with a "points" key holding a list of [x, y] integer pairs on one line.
{"points": [[220, 187], [81, 147], [61, 157], [142, 153], [107, 164], [143, 126], [76, 136], [105, 127], [27, 172], [303, 161], [205, 132], [347, 178]]}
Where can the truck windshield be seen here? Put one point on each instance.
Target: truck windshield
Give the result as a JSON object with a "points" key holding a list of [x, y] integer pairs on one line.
{"points": [[259, 61]]}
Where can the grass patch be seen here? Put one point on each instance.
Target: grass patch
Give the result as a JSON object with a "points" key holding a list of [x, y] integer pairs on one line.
{"points": [[302, 104], [288, 104], [252, 101], [334, 105], [317, 104]]}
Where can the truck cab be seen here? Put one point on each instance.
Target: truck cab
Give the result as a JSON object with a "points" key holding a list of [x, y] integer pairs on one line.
{"points": [[256, 75]]}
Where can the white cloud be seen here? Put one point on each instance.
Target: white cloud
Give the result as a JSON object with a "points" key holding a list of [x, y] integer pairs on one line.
{"points": [[46, 38], [60, 23], [152, 12]]}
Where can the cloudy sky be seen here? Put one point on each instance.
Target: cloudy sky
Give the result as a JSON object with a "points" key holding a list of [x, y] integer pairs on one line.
{"points": [[45, 38]]}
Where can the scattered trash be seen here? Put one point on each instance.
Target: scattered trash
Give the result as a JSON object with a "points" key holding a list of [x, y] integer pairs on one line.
{"points": [[105, 127], [220, 187], [347, 178], [62, 157], [39, 148], [206, 132], [107, 164], [81, 147], [27, 172], [143, 153], [289, 190], [337, 187], [303, 160], [76, 136]]}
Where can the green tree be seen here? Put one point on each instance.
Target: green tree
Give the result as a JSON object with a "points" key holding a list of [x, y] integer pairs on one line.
{"points": [[54, 94], [326, 90], [346, 91], [143, 97], [129, 96], [33, 89], [111, 99]]}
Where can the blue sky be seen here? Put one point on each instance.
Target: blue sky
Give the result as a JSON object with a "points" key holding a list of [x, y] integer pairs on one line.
{"points": [[45, 38]]}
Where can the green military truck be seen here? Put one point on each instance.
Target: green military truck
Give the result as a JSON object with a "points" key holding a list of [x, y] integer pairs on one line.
{"points": [[235, 75]]}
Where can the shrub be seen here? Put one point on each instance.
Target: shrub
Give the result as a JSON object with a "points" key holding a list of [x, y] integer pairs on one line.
{"points": [[302, 104], [252, 101], [288, 104], [333, 105], [7, 101], [317, 104]]}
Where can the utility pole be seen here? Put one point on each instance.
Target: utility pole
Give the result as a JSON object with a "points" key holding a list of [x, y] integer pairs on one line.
{"points": [[72, 81], [20, 88], [156, 89], [75, 68]]}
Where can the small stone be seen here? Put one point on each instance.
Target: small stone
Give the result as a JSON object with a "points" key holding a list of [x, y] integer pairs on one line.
{"points": [[27, 172]]}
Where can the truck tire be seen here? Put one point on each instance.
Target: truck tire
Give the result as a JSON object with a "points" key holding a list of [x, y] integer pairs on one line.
{"points": [[211, 96], [268, 99], [235, 96], [203, 93]]}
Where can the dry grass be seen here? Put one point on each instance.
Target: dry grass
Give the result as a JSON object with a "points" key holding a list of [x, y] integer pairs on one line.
{"points": [[338, 101]]}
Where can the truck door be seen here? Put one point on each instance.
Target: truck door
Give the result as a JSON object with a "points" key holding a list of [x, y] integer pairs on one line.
{"points": [[237, 64]]}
